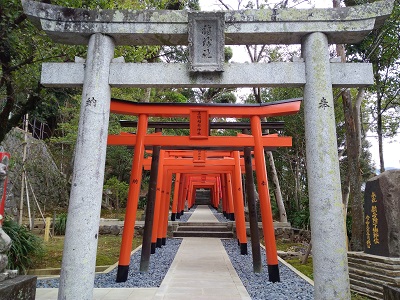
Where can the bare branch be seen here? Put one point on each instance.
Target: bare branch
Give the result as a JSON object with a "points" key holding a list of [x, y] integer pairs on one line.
{"points": [[260, 53], [249, 52], [223, 4]]}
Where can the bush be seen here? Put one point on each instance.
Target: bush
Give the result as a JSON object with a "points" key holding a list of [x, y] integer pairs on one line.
{"points": [[25, 246], [300, 219], [142, 202], [60, 224]]}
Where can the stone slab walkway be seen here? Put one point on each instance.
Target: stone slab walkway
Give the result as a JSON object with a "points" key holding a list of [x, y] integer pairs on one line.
{"points": [[201, 270], [203, 214]]}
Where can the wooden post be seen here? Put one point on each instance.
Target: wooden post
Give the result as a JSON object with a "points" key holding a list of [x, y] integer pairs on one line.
{"points": [[176, 196], [47, 229], [251, 203], [148, 224], [157, 208]]}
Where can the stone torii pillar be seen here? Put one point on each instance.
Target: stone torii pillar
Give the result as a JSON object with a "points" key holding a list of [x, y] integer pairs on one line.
{"points": [[323, 173], [83, 221]]}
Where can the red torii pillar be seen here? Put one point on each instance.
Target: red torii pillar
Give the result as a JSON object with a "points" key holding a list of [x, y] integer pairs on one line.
{"points": [[265, 202], [132, 203], [239, 205]]}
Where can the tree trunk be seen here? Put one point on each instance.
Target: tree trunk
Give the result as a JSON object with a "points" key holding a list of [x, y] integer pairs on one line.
{"points": [[295, 170], [351, 115], [379, 132], [278, 194], [147, 95]]}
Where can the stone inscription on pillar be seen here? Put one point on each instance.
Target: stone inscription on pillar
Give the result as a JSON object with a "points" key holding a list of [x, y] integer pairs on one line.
{"points": [[381, 215], [206, 41], [375, 220]]}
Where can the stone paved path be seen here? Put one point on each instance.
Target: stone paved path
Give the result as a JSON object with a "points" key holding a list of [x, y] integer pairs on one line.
{"points": [[200, 270]]}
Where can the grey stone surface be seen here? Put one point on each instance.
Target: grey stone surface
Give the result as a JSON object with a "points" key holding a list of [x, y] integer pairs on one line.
{"points": [[390, 186], [5, 242], [156, 27], [48, 183], [387, 186], [5, 245], [80, 245], [206, 41], [326, 214], [3, 263], [18, 288], [369, 273], [163, 75], [391, 292]]}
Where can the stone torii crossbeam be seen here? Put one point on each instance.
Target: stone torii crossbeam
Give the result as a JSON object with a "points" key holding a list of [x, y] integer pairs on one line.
{"points": [[102, 30]]}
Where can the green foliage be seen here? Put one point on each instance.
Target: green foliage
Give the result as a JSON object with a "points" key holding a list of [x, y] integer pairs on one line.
{"points": [[25, 246], [107, 251], [60, 224], [119, 190], [142, 202], [283, 245], [119, 162], [300, 219], [382, 49], [22, 50], [306, 269]]}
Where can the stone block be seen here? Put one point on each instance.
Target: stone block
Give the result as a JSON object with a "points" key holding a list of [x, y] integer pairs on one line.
{"points": [[18, 288], [382, 214], [206, 41], [115, 230], [391, 292]]}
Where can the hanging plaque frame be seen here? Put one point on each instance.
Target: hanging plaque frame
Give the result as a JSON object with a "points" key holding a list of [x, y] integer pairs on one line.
{"points": [[206, 41]]}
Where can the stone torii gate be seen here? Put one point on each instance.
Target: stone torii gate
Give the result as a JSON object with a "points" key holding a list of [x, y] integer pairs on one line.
{"points": [[102, 30]]}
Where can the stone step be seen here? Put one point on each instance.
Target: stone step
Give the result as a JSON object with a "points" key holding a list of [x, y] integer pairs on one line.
{"points": [[207, 224], [362, 267], [368, 273], [375, 264], [370, 283], [210, 234], [376, 274], [204, 228], [366, 292], [373, 258]]}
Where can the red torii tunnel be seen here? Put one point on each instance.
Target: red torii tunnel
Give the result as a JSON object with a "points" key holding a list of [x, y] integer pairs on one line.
{"points": [[193, 176], [186, 159], [199, 138]]}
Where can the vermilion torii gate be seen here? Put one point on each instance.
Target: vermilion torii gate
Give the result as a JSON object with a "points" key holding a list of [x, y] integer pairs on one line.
{"points": [[102, 30], [199, 116], [184, 162]]}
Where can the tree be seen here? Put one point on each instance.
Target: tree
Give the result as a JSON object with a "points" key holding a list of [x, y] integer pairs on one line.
{"points": [[23, 48], [352, 115], [382, 49], [21, 52]]}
